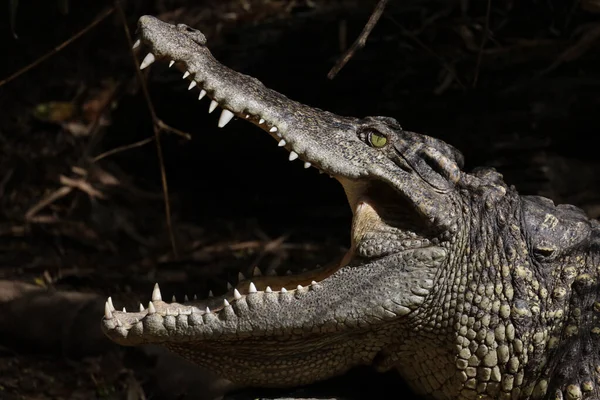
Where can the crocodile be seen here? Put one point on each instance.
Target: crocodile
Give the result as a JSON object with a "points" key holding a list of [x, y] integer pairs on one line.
{"points": [[464, 287]]}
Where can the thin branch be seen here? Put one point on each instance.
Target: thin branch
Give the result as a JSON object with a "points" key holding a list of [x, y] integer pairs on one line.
{"points": [[82, 185], [360, 41], [49, 199], [58, 48], [157, 130], [445, 64], [122, 148], [585, 43], [483, 41], [169, 128]]}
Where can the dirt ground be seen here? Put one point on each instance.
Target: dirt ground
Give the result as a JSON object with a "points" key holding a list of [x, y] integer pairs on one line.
{"points": [[82, 210]]}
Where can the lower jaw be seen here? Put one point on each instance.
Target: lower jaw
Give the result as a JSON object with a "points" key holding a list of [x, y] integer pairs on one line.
{"points": [[304, 281], [288, 361]]}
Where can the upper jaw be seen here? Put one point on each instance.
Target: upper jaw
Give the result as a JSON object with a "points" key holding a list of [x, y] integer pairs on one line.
{"points": [[319, 138], [316, 137]]}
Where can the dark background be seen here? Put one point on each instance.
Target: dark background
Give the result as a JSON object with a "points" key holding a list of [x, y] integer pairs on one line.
{"points": [[235, 199]]}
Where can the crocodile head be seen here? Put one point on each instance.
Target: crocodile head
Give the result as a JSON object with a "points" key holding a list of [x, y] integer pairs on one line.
{"points": [[404, 190]]}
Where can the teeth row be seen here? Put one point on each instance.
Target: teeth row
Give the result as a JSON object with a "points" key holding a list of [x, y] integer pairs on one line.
{"points": [[226, 115], [109, 307]]}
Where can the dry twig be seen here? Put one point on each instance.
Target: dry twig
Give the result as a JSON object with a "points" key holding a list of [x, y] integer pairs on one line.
{"points": [[82, 185], [483, 41], [58, 48], [51, 198], [360, 41], [122, 148], [158, 127], [583, 45]]}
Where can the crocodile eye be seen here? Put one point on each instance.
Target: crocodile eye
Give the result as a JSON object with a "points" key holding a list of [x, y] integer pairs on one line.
{"points": [[377, 140]]}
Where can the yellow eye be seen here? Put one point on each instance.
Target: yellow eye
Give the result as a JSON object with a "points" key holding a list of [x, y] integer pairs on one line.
{"points": [[377, 140]]}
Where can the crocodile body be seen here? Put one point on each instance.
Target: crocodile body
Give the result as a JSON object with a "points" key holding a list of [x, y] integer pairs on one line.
{"points": [[466, 288]]}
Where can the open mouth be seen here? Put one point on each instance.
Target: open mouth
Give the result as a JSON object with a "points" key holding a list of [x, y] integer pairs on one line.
{"points": [[365, 219], [258, 282], [384, 221], [282, 330]]}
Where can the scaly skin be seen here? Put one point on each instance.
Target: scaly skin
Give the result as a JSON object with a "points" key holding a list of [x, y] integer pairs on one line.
{"points": [[466, 288]]}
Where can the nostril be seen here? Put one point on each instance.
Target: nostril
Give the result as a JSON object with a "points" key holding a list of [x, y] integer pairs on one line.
{"points": [[186, 28]]}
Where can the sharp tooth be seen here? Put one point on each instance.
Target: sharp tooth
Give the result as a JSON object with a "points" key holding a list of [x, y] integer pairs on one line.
{"points": [[252, 288], [247, 116], [293, 155], [196, 296], [202, 94], [173, 299], [261, 121], [229, 286], [236, 294], [107, 311], [186, 299], [279, 135], [149, 59], [141, 307], [210, 294], [207, 310], [281, 143], [268, 289], [241, 277], [151, 309], [124, 310], [271, 272], [186, 74], [313, 283], [156, 296], [171, 63], [256, 271], [273, 129], [299, 287], [225, 117], [192, 85], [110, 303], [136, 44], [225, 303], [119, 323], [213, 105], [283, 290]]}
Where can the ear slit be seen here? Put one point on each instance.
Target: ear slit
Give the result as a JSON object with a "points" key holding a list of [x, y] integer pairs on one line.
{"points": [[433, 162], [440, 164]]}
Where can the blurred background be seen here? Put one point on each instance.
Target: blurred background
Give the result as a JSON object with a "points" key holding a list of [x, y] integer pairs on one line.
{"points": [[513, 84]]}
